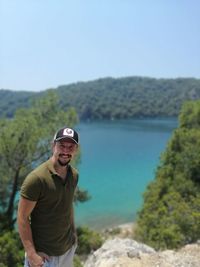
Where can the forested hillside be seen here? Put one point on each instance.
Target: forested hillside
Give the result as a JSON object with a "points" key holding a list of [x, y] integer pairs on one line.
{"points": [[111, 98], [10, 101], [170, 216]]}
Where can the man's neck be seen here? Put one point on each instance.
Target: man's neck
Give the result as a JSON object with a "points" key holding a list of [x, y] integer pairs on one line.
{"points": [[60, 170]]}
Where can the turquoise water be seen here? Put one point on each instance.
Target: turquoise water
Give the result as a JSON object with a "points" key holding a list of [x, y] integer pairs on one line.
{"points": [[118, 160]]}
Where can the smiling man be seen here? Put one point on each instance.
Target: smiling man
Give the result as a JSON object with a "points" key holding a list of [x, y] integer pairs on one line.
{"points": [[45, 210]]}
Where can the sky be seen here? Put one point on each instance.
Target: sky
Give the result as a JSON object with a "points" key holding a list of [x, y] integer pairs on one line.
{"points": [[48, 43]]}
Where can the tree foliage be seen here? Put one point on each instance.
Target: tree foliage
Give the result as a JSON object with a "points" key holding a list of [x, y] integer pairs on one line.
{"points": [[170, 216], [24, 143], [11, 250], [110, 98], [76, 261], [10, 101]]}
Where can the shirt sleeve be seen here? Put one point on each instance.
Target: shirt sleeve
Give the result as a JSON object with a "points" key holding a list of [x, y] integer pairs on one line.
{"points": [[31, 187]]}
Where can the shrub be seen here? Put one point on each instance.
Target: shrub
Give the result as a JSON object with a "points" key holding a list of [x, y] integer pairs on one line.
{"points": [[77, 262], [88, 240], [11, 250]]}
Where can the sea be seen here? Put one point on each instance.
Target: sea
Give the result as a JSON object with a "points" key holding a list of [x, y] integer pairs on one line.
{"points": [[118, 160]]}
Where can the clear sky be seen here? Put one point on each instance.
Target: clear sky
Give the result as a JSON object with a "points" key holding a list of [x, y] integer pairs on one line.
{"points": [[47, 43]]}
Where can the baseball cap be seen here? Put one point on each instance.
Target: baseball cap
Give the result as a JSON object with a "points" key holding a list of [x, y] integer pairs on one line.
{"points": [[66, 133]]}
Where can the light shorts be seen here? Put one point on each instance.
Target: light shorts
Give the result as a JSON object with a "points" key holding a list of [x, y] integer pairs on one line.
{"points": [[65, 260]]}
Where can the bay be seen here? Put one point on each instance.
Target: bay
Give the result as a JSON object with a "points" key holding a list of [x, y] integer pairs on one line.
{"points": [[118, 160]]}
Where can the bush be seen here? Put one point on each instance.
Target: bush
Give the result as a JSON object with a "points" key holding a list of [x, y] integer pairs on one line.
{"points": [[88, 240], [11, 250], [77, 262]]}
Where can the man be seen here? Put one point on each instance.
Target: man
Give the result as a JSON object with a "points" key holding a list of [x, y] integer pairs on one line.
{"points": [[45, 212]]}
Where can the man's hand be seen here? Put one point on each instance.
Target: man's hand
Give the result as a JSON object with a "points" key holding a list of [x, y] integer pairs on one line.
{"points": [[37, 259], [44, 256]]}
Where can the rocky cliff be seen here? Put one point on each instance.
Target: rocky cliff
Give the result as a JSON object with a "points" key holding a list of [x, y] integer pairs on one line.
{"points": [[118, 252]]}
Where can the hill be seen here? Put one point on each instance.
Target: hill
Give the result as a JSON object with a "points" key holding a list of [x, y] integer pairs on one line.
{"points": [[11, 100], [110, 98]]}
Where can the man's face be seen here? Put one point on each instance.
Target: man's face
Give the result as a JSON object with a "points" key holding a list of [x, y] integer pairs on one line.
{"points": [[64, 150]]}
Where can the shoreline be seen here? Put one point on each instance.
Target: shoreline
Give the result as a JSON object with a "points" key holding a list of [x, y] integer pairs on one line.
{"points": [[125, 230], [121, 225]]}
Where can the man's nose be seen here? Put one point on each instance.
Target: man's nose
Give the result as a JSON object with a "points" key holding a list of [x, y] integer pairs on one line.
{"points": [[66, 148]]}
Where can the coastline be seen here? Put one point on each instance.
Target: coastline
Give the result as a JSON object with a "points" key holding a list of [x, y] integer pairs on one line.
{"points": [[125, 230]]}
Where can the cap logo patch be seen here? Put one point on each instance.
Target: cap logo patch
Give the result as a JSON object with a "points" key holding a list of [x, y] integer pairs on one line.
{"points": [[68, 132]]}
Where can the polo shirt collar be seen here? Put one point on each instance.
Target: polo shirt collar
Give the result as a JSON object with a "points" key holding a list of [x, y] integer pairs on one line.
{"points": [[51, 167]]}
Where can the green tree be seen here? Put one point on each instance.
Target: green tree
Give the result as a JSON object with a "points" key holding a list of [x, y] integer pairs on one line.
{"points": [[25, 142], [170, 216]]}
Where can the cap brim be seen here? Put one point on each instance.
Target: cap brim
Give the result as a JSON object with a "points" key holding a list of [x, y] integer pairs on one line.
{"points": [[66, 137]]}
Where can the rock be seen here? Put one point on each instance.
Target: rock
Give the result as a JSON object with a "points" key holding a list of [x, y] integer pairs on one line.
{"points": [[114, 249], [119, 252], [133, 254]]}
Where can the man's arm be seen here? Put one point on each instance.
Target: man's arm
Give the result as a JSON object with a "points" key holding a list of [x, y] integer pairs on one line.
{"points": [[25, 208]]}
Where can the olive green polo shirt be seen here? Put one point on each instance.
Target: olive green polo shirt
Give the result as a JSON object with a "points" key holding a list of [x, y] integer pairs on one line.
{"points": [[51, 226]]}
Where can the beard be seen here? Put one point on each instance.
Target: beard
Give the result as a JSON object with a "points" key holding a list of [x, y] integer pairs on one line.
{"points": [[66, 162]]}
